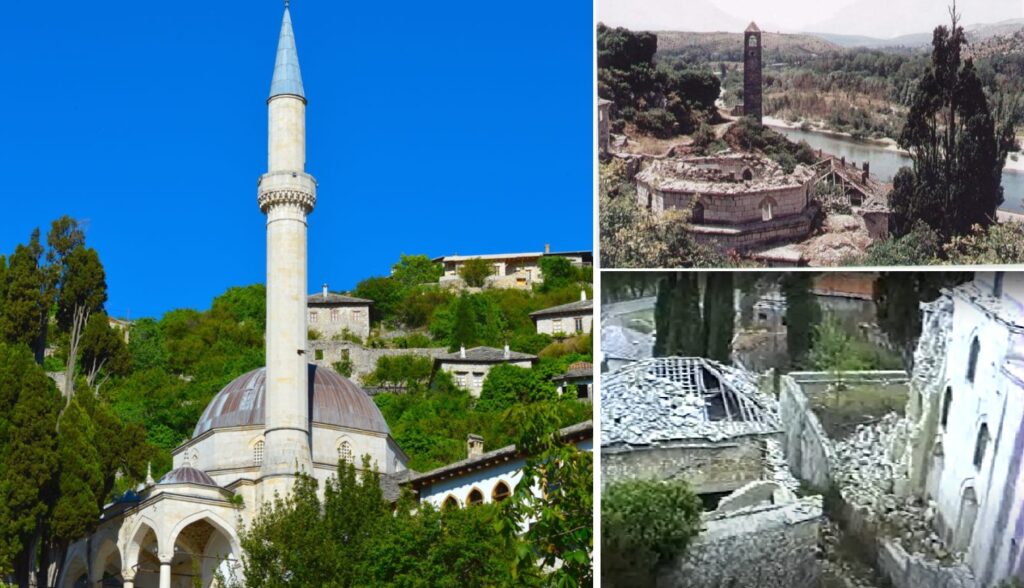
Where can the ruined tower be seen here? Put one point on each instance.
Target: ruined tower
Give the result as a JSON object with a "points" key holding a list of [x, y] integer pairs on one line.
{"points": [[287, 195], [752, 72]]}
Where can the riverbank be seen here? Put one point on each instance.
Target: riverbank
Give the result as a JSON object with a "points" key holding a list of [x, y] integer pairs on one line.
{"points": [[888, 144]]}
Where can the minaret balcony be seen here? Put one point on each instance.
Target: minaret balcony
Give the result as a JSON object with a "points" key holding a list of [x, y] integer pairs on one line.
{"points": [[287, 187]]}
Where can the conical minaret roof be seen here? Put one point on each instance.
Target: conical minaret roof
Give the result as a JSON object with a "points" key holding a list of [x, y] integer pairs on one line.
{"points": [[750, 29], [287, 76]]}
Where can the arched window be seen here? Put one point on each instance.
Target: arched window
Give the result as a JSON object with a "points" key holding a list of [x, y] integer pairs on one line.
{"points": [[947, 399], [501, 492], [257, 452], [748, 175], [997, 288], [449, 502], [972, 360], [767, 209], [475, 497], [752, 41], [345, 452], [981, 446]]}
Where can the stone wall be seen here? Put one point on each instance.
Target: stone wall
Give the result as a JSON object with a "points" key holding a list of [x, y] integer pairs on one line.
{"points": [[772, 546], [750, 235], [708, 466], [808, 450], [364, 359], [739, 207]]}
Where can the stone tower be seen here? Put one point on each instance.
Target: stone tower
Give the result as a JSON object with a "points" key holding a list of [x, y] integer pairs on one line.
{"points": [[752, 72], [287, 195]]}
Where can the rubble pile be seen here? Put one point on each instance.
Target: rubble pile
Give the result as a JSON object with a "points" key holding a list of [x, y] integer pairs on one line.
{"points": [[776, 466], [868, 468], [837, 564], [663, 399]]}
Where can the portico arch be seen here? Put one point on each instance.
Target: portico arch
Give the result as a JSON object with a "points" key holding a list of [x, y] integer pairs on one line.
{"points": [[107, 568], [76, 575], [141, 560], [203, 543]]}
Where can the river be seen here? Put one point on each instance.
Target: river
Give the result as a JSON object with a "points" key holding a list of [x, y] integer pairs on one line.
{"points": [[886, 162]]}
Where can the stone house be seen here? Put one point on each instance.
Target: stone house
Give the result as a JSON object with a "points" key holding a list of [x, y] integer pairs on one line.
{"points": [[510, 270], [485, 477], [569, 319], [331, 314], [579, 374], [469, 367]]}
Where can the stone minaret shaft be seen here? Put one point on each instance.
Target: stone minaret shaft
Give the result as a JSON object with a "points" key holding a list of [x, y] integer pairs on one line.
{"points": [[752, 52], [287, 195]]}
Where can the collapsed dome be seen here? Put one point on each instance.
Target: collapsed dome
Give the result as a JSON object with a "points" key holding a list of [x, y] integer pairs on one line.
{"points": [[333, 400], [675, 398]]}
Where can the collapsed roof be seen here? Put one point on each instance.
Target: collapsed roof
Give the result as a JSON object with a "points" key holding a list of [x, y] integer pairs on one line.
{"points": [[675, 398]]}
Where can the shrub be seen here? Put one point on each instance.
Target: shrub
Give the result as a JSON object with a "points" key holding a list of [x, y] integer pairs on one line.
{"points": [[645, 525], [475, 272], [313, 334], [658, 122]]}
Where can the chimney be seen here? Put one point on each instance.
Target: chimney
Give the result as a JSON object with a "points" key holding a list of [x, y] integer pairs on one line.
{"points": [[462, 351], [507, 352], [474, 445], [547, 248], [864, 177], [843, 159], [325, 289], [583, 295]]}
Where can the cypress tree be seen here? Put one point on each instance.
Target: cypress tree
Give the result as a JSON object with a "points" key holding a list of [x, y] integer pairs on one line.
{"points": [[24, 309], [719, 315], [680, 330], [802, 314], [29, 404]]}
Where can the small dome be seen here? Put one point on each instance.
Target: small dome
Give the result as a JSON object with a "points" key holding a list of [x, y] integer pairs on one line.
{"points": [[187, 475], [334, 400]]}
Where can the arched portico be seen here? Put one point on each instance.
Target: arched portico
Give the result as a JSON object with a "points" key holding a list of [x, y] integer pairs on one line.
{"points": [[107, 568], [202, 544]]}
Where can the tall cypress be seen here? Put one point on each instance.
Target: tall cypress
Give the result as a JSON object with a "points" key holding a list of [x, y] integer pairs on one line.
{"points": [[719, 315], [802, 314], [24, 310], [680, 330]]}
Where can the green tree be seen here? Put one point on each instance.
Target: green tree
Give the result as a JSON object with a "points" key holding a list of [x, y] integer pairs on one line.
{"points": [[680, 329], [386, 293], [951, 135], [476, 271], [24, 309], [401, 371], [245, 304], [507, 385], [559, 520], [82, 287], [415, 270], [103, 349], [29, 404], [645, 526], [898, 297], [558, 272], [719, 315], [833, 349], [1001, 243], [802, 314]]}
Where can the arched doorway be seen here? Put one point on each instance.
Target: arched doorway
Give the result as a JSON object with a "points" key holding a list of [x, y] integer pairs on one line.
{"points": [[106, 565], [968, 516], [77, 574], [203, 546], [142, 557]]}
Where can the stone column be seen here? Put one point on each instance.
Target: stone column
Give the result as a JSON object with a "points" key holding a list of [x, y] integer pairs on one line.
{"points": [[165, 574], [128, 582]]}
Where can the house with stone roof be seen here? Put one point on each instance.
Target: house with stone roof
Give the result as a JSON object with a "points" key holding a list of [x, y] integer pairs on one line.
{"points": [[574, 318], [331, 314], [579, 376], [469, 367]]}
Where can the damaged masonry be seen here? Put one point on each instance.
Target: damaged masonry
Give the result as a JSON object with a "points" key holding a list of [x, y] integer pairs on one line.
{"points": [[709, 424]]}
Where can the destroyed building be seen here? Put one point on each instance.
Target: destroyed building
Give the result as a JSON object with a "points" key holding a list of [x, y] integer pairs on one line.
{"points": [[696, 420], [735, 200]]}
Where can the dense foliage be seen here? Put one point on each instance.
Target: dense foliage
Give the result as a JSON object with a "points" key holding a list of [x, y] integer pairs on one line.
{"points": [[687, 327], [749, 135], [898, 297], [957, 151], [645, 525], [663, 101]]}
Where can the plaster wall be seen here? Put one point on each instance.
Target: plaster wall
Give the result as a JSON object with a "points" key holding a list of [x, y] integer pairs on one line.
{"points": [[471, 376], [565, 325], [995, 399]]}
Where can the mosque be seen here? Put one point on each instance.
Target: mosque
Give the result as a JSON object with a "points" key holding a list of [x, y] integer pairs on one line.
{"points": [[265, 426]]}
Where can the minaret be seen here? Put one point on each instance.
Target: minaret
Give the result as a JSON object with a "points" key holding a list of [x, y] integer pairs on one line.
{"points": [[752, 72], [287, 195]]}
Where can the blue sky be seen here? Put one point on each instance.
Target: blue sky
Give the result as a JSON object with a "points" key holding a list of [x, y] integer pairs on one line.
{"points": [[433, 128]]}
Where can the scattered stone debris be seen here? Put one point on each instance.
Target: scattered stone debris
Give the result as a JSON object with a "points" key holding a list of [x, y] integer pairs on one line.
{"points": [[624, 343], [673, 398]]}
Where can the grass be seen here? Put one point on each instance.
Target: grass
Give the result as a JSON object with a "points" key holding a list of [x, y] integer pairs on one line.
{"points": [[841, 412]]}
